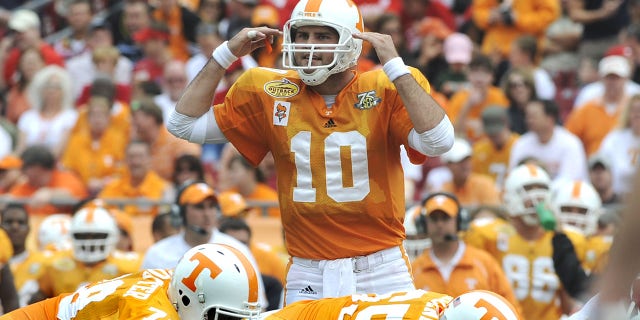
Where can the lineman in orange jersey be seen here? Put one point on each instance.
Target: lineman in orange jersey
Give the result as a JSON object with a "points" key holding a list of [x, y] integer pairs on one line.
{"points": [[524, 248], [94, 235], [335, 136], [210, 280]]}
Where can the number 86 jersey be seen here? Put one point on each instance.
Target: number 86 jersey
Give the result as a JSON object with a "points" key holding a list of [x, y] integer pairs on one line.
{"points": [[340, 180]]}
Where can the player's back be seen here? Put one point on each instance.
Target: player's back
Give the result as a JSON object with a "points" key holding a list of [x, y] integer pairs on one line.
{"points": [[415, 304], [142, 295]]}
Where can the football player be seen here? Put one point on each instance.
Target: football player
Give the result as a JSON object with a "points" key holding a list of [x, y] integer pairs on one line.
{"points": [[335, 136], [94, 236]]}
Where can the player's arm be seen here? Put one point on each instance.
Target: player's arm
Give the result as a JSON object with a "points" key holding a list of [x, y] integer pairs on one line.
{"points": [[567, 266], [433, 130], [192, 115], [8, 294]]}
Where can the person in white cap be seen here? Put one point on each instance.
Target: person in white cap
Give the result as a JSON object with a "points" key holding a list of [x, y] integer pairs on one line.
{"points": [[604, 110], [26, 25]]}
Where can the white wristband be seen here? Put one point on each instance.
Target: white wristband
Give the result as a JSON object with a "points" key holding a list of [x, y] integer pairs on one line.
{"points": [[223, 55], [395, 68]]}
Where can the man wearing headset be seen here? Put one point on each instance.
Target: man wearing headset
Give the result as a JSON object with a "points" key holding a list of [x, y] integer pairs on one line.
{"points": [[450, 266]]}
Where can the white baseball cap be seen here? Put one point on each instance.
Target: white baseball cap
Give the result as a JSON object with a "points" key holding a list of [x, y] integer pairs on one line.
{"points": [[23, 20], [617, 65], [461, 150]]}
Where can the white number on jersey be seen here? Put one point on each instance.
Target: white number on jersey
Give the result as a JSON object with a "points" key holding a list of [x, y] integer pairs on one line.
{"points": [[357, 143], [537, 279], [75, 302]]}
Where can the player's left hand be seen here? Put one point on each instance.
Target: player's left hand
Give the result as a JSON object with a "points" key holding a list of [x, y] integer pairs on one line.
{"points": [[249, 39], [382, 43]]}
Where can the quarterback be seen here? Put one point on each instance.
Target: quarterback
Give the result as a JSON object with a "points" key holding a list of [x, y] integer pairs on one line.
{"points": [[335, 136]]}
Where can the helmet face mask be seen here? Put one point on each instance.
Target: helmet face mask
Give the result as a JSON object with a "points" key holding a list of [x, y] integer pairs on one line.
{"points": [[526, 187], [214, 281], [578, 205], [94, 234], [343, 17]]}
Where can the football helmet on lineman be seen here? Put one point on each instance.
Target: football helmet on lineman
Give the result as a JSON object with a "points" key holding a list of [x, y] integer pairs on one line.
{"points": [[54, 232], [477, 305], [577, 204], [341, 15], [212, 280], [525, 187], [94, 234]]}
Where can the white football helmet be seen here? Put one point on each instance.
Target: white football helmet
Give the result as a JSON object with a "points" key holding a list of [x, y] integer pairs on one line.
{"points": [[525, 187], [54, 232], [577, 204], [341, 15], [479, 304], [94, 234], [417, 240], [214, 278]]}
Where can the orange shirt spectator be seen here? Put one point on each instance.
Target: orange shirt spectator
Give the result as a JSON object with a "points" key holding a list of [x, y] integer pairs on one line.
{"points": [[45, 184], [182, 25], [138, 182], [9, 172], [581, 123], [248, 181]]}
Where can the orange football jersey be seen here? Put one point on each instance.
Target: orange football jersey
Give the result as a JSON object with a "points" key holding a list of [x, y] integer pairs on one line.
{"points": [[340, 180], [415, 304], [6, 248], [491, 161], [142, 295], [27, 268], [597, 253], [65, 274]]}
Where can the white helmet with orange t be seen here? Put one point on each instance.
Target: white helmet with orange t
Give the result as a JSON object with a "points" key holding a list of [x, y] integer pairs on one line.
{"points": [[341, 15], [54, 232], [525, 187], [577, 204], [211, 280], [479, 305], [94, 234]]}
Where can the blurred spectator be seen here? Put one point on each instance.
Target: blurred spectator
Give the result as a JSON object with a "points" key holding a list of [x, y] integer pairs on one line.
{"points": [[622, 147], [214, 12], [78, 17], [138, 182], [125, 228], [413, 11], [457, 50], [430, 56], [267, 15], [232, 204], [148, 126], [247, 180], [26, 25], [520, 89], [559, 47], [163, 227], [560, 152], [26, 265], [466, 105], [605, 109], [208, 38], [87, 66], [105, 61], [154, 41], [524, 54], [491, 153], [6, 142], [469, 187], [602, 21], [239, 13], [633, 42], [181, 23], [450, 266], [96, 152], [30, 63], [601, 178], [174, 81], [372, 10], [52, 114], [187, 168], [48, 189], [504, 21], [9, 172], [134, 17]]}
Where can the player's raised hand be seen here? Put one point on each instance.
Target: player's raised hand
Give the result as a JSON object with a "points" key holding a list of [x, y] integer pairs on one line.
{"points": [[382, 43], [249, 39]]}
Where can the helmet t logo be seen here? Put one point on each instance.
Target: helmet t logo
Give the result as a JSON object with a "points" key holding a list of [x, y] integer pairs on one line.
{"points": [[203, 263]]}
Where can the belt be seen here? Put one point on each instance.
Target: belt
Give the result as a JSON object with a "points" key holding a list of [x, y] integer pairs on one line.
{"points": [[359, 263]]}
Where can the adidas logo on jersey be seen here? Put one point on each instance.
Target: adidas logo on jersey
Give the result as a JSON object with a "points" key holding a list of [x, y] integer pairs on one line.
{"points": [[330, 124], [307, 290]]}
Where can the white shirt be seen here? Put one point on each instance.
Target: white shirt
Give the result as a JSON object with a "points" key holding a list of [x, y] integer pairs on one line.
{"points": [[596, 89], [49, 132], [83, 71], [563, 156], [621, 147], [166, 253], [545, 87], [6, 144], [166, 105]]}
